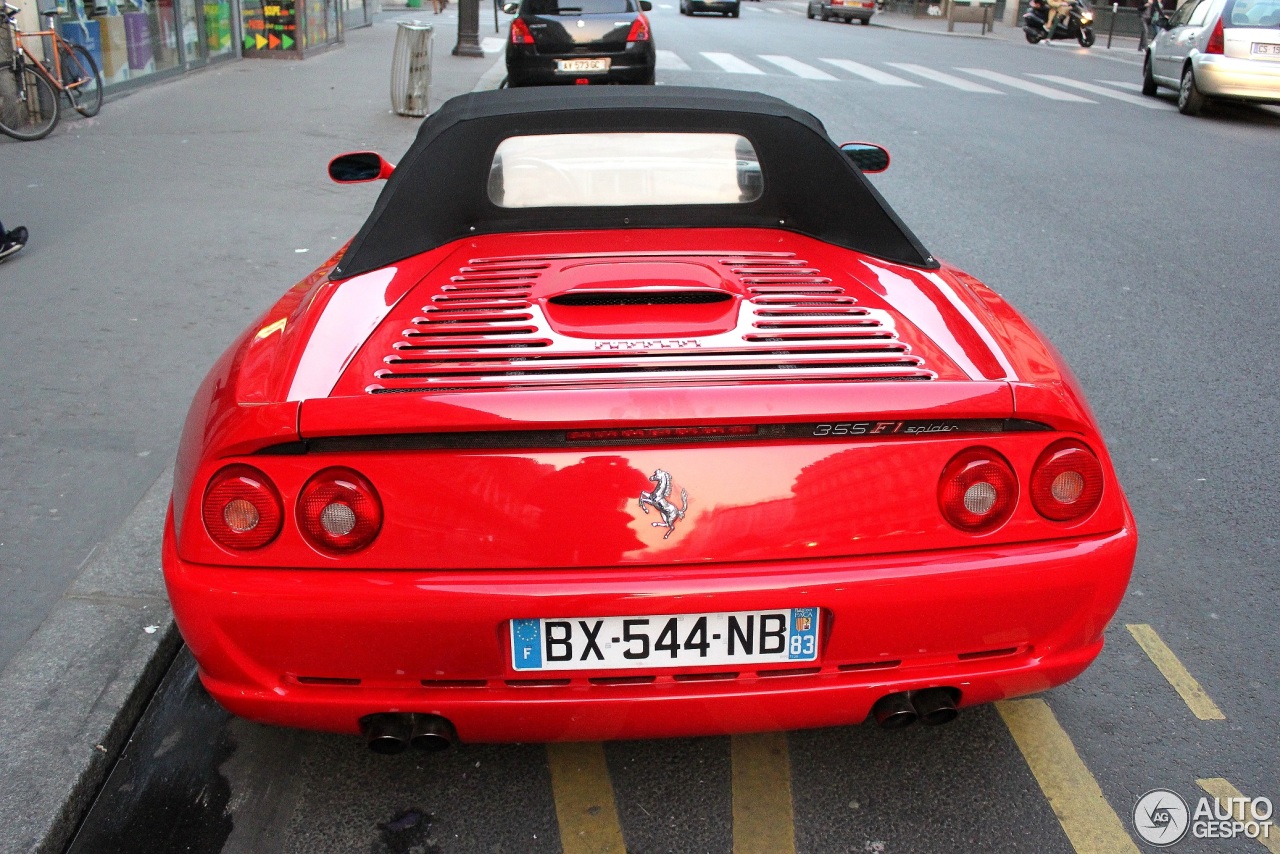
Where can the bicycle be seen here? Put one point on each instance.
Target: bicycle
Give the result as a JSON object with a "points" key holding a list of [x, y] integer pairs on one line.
{"points": [[29, 89]]}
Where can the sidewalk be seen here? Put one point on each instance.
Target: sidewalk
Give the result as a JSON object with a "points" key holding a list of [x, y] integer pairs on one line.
{"points": [[937, 25], [212, 170]]}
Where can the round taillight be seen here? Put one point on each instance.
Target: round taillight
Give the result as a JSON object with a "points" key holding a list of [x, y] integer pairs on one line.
{"points": [[241, 508], [339, 511], [1066, 483], [978, 490]]}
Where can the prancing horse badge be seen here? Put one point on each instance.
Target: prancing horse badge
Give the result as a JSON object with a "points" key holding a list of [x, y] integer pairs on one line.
{"points": [[657, 499]]}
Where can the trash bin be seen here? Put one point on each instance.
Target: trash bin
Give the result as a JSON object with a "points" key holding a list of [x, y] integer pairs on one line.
{"points": [[411, 69]]}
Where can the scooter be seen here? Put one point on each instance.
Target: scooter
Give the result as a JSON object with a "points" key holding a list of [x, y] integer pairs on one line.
{"points": [[1077, 24]]}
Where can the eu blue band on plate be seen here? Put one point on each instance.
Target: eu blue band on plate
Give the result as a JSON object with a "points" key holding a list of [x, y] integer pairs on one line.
{"points": [[527, 644]]}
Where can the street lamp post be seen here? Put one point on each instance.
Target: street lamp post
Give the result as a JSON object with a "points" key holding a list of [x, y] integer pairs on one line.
{"points": [[468, 29]]}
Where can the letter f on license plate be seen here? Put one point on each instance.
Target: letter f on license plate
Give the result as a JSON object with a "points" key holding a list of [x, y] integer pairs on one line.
{"points": [[665, 640]]}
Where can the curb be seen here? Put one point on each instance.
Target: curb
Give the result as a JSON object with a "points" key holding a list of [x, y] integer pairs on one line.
{"points": [[70, 698], [897, 28]]}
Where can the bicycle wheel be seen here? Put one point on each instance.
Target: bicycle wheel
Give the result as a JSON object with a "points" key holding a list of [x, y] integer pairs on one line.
{"points": [[83, 81], [28, 104]]}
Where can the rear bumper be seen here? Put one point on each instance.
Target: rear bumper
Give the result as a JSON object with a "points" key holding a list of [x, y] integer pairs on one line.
{"points": [[850, 12], [321, 649], [1232, 77], [526, 67]]}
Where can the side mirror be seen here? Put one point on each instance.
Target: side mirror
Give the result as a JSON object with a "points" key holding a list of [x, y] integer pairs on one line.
{"points": [[646, 6], [866, 157], [359, 166], [511, 8]]}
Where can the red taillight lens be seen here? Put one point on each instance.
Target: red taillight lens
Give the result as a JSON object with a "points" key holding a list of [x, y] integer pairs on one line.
{"points": [[339, 511], [520, 32], [241, 508], [978, 490], [1217, 39], [639, 30], [1066, 483]]}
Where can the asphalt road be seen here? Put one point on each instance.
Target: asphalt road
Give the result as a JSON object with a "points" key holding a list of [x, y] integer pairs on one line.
{"points": [[1137, 239]]}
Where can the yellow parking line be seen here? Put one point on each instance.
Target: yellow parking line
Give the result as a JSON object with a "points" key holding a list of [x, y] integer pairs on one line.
{"points": [[1223, 792], [1181, 680], [1089, 821], [762, 819], [584, 799]]}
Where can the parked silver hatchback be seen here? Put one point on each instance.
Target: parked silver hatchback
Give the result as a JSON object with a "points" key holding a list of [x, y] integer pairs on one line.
{"points": [[1209, 49]]}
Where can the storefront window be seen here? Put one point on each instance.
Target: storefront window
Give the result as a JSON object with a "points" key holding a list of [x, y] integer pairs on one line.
{"points": [[217, 27], [270, 25], [130, 39], [289, 27], [355, 13]]}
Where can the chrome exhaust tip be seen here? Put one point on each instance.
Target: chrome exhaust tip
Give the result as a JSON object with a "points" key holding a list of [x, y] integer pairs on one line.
{"points": [[387, 733], [894, 711], [433, 733], [935, 705]]}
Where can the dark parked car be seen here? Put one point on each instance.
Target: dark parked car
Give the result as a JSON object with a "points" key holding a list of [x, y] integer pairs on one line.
{"points": [[730, 8], [581, 41]]}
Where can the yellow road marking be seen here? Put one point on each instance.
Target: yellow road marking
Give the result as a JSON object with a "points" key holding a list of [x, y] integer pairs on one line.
{"points": [[1089, 821], [762, 819], [1223, 791], [584, 799], [1182, 681]]}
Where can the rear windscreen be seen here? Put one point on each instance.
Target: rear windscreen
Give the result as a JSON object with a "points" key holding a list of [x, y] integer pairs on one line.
{"points": [[1252, 13], [624, 169], [576, 7]]}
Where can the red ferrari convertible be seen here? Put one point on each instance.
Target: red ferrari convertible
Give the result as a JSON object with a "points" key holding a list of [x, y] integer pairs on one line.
{"points": [[631, 414]]}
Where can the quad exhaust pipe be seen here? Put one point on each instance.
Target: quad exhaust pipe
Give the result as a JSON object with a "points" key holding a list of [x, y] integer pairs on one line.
{"points": [[935, 705], [931, 706], [392, 732]]}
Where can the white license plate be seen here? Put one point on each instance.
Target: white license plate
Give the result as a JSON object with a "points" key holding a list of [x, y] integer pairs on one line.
{"points": [[780, 636], [578, 66], [1266, 49]]}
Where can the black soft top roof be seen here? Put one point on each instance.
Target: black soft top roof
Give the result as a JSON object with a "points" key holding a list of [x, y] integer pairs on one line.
{"points": [[438, 192]]}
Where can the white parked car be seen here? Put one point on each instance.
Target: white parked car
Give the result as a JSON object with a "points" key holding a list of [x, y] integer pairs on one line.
{"points": [[1211, 49]]}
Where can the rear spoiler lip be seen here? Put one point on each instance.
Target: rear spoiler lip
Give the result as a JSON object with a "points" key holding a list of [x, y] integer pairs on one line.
{"points": [[870, 429], [519, 410]]}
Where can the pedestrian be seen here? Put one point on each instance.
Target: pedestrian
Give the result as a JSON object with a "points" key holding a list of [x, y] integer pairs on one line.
{"points": [[1151, 13], [11, 241]]}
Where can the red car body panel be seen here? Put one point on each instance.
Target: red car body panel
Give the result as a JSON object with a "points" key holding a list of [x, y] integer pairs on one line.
{"points": [[1004, 622], [510, 401]]}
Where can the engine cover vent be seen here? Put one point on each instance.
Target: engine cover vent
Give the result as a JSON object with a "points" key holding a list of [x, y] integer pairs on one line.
{"points": [[489, 328]]}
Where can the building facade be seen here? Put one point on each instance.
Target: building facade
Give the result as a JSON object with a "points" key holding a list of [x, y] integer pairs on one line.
{"points": [[137, 41]]}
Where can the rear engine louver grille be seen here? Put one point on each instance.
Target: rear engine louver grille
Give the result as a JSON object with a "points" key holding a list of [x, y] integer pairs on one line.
{"points": [[486, 330]]}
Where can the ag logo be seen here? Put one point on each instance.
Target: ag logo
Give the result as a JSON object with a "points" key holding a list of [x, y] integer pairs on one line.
{"points": [[1161, 817]]}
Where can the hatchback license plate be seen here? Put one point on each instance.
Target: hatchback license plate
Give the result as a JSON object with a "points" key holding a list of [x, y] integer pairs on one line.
{"points": [[779, 636], [1266, 49], [578, 66]]}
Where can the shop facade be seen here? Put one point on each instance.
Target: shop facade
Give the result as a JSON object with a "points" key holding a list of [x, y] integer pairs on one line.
{"points": [[294, 29], [137, 41]]}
